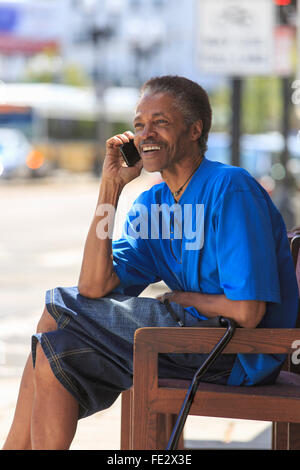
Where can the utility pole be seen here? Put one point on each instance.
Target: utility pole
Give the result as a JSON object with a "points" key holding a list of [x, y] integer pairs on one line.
{"points": [[236, 120], [285, 118]]}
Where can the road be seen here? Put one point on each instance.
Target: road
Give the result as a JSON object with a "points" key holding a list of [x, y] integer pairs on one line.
{"points": [[44, 224]]}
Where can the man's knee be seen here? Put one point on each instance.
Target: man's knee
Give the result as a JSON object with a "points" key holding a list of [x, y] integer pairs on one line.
{"points": [[46, 323], [42, 369]]}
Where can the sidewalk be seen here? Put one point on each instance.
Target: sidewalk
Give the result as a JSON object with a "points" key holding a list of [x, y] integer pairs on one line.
{"points": [[102, 431]]}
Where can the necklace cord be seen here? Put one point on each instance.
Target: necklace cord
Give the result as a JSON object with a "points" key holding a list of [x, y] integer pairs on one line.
{"points": [[176, 193]]}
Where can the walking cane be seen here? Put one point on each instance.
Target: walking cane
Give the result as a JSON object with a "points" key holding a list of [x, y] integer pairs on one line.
{"points": [[183, 414]]}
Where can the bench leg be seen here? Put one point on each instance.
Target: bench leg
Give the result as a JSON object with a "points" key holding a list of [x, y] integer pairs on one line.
{"points": [[163, 429], [280, 433], [165, 425], [126, 420], [294, 436], [286, 436]]}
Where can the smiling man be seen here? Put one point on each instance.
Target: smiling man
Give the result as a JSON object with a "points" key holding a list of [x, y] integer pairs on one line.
{"points": [[83, 349]]}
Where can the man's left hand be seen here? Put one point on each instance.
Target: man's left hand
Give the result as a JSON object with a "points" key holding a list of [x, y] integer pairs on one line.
{"points": [[171, 296]]}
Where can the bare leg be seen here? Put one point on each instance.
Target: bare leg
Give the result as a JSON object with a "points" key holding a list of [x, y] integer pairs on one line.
{"points": [[19, 434], [55, 410], [34, 384]]}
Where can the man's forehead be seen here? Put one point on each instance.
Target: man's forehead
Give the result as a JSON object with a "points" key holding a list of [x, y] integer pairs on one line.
{"points": [[156, 104], [141, 112]]}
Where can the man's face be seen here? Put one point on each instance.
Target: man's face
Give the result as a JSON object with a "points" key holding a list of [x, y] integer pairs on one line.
{"points": [[161, 135]]}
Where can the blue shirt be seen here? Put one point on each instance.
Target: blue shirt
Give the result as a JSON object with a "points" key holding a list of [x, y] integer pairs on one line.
{"points": [[225, 237]]}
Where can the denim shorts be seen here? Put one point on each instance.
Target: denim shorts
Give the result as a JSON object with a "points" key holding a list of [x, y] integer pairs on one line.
{"points": [[91, 352]]}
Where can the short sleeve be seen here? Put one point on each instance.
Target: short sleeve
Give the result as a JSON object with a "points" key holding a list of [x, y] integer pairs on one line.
{"points": [[131, 264], [132, 260], [245, 247]]}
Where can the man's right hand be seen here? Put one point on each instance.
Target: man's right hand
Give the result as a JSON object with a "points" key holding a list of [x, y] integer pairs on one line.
{"points": [[114, 168]]}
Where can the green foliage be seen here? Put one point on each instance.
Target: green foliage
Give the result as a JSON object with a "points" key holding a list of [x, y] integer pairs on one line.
{"points": [[220, 102], [261, 105], [48, 67], [73, 75]]}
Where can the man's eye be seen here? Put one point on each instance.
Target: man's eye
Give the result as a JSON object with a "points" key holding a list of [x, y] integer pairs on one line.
{"points": [[161, 121], [138, 125]]}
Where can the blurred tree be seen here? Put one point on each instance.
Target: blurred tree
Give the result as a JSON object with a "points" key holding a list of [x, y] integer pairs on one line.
{"points": [[74, 75], [262, 105], [48, 67], [44, 67], [220, 102]]}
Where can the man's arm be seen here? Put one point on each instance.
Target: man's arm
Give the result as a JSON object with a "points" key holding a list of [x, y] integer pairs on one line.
{"points": [[97, 276], [247, 313]]}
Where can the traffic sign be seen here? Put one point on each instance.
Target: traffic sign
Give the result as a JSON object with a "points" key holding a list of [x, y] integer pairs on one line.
{"points": [[236, 37]]}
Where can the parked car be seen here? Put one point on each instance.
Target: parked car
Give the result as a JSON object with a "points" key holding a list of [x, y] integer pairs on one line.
{"points": [[18, 157]]}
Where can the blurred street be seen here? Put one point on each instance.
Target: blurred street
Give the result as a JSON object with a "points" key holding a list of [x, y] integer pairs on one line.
{"points": [[43, 228]]}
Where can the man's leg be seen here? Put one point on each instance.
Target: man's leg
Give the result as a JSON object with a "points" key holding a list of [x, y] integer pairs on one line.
{"points": [[20, 431], [19, 437], [55, 410]]}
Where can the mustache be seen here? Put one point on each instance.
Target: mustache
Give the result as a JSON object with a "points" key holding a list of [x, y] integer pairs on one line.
{"points": [[151, 142]]}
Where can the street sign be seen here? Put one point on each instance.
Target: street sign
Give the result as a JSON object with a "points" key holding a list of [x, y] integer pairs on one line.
{"points": [[236, 37]]}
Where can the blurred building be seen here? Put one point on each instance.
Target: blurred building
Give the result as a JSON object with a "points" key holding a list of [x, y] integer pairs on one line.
{"points": [[29, 29], [135, 39], [115, 42]]}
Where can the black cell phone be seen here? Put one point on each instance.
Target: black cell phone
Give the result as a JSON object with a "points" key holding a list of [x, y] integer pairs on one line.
{"points": [[130, 153]]}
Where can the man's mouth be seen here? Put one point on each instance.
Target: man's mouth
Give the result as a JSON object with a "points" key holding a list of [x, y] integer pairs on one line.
{"points": [[150, 148]]}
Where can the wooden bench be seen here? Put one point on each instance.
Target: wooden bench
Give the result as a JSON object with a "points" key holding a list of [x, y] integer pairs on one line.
{"points": [[150, 407]]}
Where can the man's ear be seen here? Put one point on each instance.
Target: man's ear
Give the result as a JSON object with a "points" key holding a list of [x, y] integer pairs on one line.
{"points": [[196, 129]]}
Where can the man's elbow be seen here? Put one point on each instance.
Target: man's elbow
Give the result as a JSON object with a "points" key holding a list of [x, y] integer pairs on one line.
{"points": [[252, 313], [90, 293], [100, 289]]}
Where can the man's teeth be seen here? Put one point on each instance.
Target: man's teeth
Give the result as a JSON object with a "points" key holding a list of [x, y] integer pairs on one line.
{"points": [[149, 148]]}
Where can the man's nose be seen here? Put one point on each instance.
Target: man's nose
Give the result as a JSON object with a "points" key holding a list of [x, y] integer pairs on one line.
{"points": [[148, 131]]}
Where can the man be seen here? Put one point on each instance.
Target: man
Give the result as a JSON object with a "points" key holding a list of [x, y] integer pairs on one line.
{"points": [[239, 267]]}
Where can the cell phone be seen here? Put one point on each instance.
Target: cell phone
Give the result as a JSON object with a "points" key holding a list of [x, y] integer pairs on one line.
{"points": [[130, 153]]}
